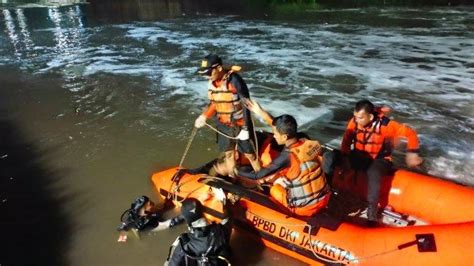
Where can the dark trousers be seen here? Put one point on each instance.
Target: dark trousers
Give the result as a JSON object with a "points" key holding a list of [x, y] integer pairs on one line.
{"points": [[376, 170], [225, 144]]}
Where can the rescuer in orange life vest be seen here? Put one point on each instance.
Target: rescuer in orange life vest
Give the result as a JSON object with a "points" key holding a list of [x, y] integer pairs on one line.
{"points": [[299, 182], [372, 135], [226, 92]]}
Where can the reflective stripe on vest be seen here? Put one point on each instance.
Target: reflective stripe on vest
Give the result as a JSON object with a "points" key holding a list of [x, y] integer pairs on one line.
{"points": [[228, 105], [305, 182]]}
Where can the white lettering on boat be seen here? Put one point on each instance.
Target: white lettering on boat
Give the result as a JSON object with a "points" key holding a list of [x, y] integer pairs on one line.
{"points": [[264, 225], [303, 240]]}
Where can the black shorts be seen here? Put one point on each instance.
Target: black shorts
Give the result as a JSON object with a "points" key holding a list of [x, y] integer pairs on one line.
{"points": [[226, 144]]}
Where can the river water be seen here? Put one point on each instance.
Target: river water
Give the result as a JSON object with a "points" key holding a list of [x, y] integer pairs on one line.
{"points": [[95, 98]]}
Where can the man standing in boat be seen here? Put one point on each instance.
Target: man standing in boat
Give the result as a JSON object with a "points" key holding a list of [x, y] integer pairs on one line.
{"points": [[226, 92], [298, 182], [372, 136]]}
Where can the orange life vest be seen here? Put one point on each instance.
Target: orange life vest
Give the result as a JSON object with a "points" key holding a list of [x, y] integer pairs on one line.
{"points": [[304, 181], [371, 140], [228, 106]]}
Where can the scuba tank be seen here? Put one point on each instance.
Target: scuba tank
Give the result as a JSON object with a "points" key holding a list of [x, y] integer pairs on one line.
{"points": [[205, 259]]}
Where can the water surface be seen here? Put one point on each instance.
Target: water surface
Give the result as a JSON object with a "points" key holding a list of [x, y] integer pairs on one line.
{"points": [[108, 95]]}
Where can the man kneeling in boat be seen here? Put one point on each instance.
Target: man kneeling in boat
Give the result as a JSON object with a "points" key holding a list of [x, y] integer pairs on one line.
{"points": [[205, 243], [299, 183]]}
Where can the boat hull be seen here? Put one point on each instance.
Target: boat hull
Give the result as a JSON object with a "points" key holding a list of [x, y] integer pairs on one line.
{"points": [[326, 239]]}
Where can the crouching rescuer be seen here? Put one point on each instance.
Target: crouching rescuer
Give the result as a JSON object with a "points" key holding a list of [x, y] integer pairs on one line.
{"points": [[299, 183], [367, 146]]}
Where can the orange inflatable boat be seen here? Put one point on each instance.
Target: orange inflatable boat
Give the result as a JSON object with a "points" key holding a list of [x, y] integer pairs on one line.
{"points": [[427, 221]]}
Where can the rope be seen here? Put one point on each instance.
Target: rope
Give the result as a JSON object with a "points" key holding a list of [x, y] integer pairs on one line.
{"points": [[174, 193], [188, 146], [218, 132], [190, 141], [254, 146], [316, 254], [186, 150], [255, 138], [357, 260]]}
